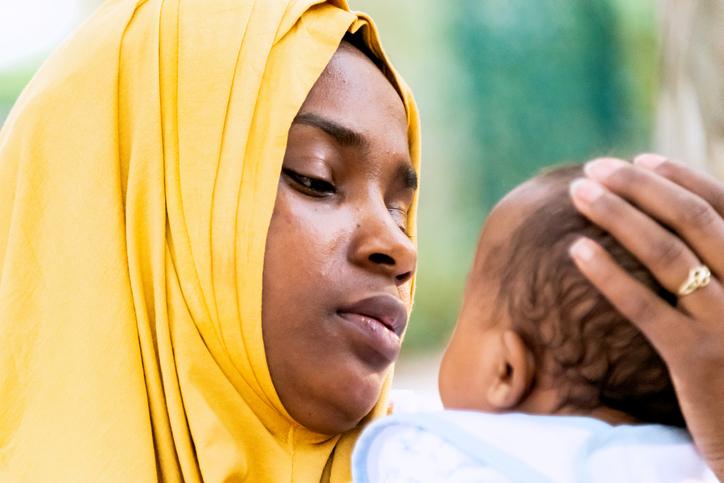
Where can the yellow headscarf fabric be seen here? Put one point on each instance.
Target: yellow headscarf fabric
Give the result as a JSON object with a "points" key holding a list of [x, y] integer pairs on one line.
{"points": [[138, 175]]}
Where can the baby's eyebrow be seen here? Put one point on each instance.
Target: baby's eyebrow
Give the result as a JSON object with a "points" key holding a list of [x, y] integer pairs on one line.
{"points": [[343, 135]]}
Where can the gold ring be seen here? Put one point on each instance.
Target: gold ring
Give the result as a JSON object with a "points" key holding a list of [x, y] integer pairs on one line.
{"points": [[699, 277]]}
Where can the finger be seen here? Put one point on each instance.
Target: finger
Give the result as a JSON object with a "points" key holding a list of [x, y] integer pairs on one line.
{"points": [[699, 182], [668, 330], [662, 252], [685, 212], [648, 241]]}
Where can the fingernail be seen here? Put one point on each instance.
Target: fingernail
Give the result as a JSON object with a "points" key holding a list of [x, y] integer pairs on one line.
{"points": [[582, 249], [649, 160], [602, 168], [586, 190]]}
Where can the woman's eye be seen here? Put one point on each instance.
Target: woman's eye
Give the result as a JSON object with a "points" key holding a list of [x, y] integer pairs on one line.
{"points": [[400, 217], [310, 186]]}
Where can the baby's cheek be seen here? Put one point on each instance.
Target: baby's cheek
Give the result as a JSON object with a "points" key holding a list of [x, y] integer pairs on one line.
{"points": [[447, 380], [461, 371]]}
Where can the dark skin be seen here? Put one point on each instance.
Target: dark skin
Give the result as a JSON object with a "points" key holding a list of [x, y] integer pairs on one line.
{"points": [[632, 201], [337, 237]]}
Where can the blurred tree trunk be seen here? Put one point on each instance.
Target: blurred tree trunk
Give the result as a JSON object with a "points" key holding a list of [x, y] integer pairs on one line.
{"points": [[690, 124]]}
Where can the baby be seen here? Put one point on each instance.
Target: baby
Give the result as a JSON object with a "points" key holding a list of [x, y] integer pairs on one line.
{"points": [[536, 341], [534, 335]]}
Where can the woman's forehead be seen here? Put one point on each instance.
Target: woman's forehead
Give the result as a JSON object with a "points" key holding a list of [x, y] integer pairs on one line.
{"points": [[357, 102], [351, 82]]}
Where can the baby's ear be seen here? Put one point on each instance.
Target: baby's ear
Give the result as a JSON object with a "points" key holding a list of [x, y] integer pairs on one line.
{"points": [[515, 371]]}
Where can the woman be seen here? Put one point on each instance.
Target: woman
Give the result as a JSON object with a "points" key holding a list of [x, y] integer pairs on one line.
{"points": [[140, 174], [189, 288]]}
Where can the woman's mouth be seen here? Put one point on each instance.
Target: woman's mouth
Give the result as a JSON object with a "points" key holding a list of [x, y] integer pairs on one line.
{"points": [[380, 320]]}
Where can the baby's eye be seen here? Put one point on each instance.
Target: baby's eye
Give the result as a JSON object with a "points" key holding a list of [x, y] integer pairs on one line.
{"points": [[310, 186]]}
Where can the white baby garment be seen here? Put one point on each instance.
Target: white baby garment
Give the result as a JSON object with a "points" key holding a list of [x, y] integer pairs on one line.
{"points": [[465, 446]]}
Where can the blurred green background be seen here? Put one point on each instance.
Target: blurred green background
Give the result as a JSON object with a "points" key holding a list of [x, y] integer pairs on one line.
{"points": [[504, 88]]}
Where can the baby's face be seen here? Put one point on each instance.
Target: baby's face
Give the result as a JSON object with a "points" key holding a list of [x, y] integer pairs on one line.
{"points": [[470, 364]]}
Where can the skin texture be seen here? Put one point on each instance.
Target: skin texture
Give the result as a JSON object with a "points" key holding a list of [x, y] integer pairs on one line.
{"points": [[477, 371], [337, 236], [631, 201], [487, 365]]}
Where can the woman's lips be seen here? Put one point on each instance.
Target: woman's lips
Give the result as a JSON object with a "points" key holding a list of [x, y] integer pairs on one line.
{"points": [[386, 309], [381, 319]]}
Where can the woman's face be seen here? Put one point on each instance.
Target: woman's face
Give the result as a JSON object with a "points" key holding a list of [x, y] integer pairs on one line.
{"points": [[338, 260]]}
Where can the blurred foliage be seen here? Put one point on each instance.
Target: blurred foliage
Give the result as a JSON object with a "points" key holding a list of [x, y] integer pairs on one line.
{"points": [[547, 86], [503, 90], [12, 81]]}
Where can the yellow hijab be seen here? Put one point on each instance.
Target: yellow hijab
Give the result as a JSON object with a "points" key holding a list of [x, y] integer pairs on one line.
{"points": [[138, 174]]}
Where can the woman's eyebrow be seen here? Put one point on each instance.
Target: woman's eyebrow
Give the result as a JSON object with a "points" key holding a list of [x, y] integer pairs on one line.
{"points": [[343, 135], [347, 137]]}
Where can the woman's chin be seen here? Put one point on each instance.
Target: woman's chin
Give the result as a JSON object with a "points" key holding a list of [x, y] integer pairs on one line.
{"points": [[342, 408]]}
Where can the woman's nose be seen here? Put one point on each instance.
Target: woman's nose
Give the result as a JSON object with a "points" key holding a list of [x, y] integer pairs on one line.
{"points": [[382, 247]]}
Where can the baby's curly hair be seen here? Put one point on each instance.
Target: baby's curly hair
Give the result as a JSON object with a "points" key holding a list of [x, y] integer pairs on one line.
{"points": [[597, 356]]}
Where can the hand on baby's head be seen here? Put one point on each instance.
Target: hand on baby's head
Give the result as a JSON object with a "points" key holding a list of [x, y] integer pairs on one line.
{"points": [[534, 336]]}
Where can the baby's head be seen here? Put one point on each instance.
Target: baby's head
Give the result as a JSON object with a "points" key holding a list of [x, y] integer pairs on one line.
{"points": [[535, 336]]}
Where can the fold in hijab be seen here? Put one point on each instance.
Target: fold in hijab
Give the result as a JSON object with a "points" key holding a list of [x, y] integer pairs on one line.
{"points": [[138, 175]]}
